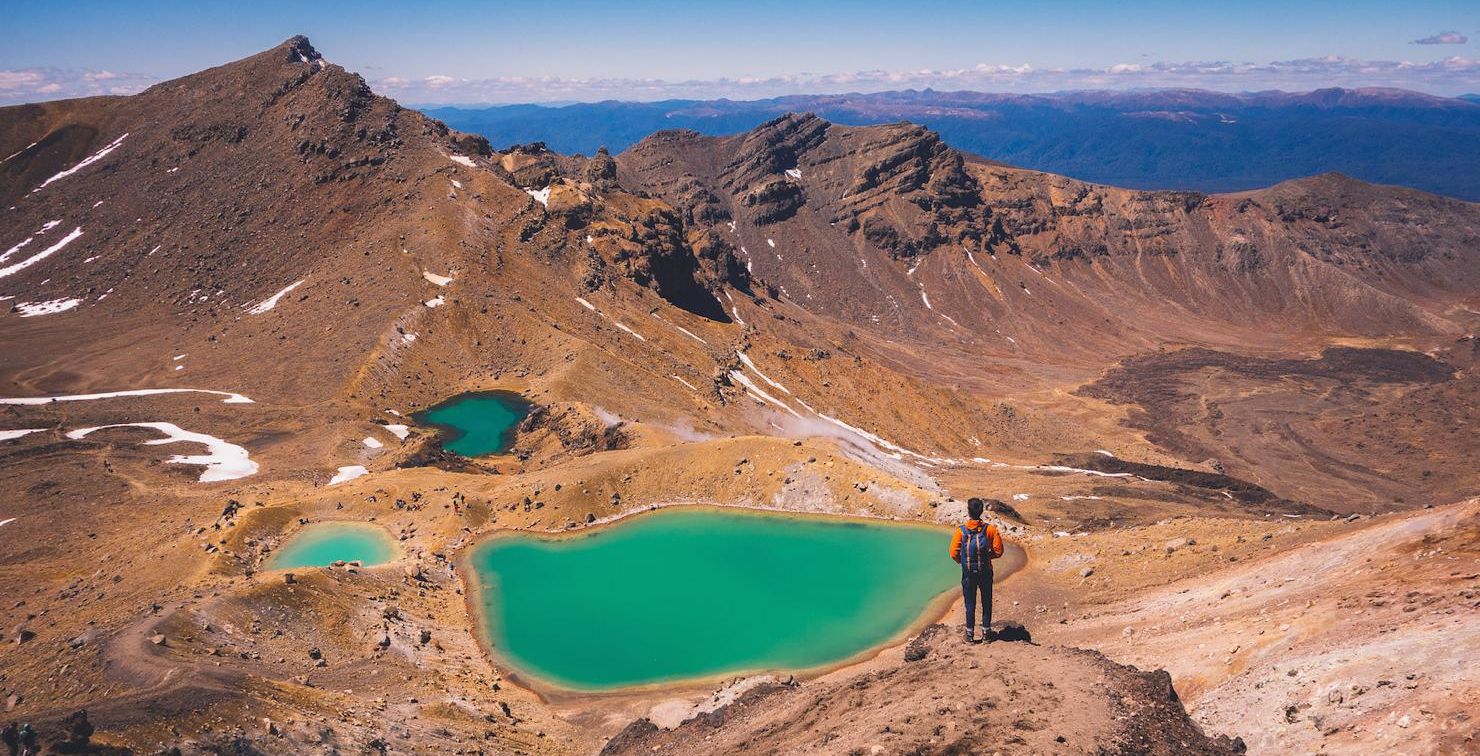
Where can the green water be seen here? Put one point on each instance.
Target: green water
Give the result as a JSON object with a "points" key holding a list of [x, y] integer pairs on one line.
{"points": [[477, 424], [692, 593], [326, 543]]}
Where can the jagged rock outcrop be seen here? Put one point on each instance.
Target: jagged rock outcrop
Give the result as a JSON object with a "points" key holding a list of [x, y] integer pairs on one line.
{"points": [[925, 704]]}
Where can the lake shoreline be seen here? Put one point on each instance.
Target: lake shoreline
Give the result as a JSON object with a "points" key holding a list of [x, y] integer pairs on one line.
{"points": [[448, 434], [936, 608]]}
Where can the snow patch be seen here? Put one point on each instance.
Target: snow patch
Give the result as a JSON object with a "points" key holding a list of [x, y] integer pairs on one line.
{"points": [[541, 195], [7, 435], [37, 400], [745, 358], [399, 431], [772, 243], [463, 160], [436, 279], [223, 460], [272, 301], [586, 304], [371, 442], [629, 330], [348, 472], [795, 173], [42, 255], [758, 392], [674, 377], [13, 154], [89, 160], [1096, 473], [435, 302], [51, 307], [685, 331]]}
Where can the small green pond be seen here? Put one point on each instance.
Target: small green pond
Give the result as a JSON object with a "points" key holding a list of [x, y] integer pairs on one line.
{"points": [[478, 423], [325, 543], [693, 593]]}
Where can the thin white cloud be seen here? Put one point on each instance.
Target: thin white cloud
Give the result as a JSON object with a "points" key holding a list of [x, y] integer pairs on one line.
{"points": [[1452, 75], [35, 84], [1443, 38]]}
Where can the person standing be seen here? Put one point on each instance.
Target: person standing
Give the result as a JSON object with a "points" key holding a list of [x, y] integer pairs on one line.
{"points": [[974, 546]]}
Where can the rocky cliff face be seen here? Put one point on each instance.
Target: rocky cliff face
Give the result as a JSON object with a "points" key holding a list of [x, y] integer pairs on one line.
{"points": [[861, 205], [945, 697]]}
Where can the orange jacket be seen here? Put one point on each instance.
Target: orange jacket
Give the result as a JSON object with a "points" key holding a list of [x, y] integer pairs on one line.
{"points": [[993, 537]]}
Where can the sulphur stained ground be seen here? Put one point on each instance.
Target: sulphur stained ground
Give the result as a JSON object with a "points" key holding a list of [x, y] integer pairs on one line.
{"points": [[696, 592]]}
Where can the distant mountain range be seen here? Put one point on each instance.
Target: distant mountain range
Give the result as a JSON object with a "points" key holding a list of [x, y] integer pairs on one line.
{"points": [[1168, 139]]}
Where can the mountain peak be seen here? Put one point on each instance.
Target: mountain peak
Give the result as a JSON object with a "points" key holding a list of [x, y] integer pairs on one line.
{"points": [[300, 50]]}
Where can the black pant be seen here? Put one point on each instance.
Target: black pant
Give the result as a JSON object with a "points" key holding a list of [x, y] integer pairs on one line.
{"points": [[972, 583]]}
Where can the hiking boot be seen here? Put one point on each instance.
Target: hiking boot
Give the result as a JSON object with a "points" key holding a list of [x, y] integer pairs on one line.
{"points": [[989, 635], [970, 634]]}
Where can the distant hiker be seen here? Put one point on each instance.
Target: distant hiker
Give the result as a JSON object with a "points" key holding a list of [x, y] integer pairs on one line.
{"points": [[30, 743], [11, 736], [975, 545]]}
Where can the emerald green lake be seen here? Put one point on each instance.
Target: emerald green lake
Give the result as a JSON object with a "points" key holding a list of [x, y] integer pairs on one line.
{"points": [[692, 593], [478, 423], [326, 543]]}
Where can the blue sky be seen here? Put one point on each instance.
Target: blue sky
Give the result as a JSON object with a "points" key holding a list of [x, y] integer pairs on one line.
{"points": [[556, 51]]}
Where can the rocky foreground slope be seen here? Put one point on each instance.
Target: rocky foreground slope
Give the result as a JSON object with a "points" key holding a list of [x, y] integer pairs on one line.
{"points": [[275, 267]]}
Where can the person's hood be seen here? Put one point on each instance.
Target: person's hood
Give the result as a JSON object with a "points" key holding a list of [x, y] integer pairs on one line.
{"points": [[975, 524]]}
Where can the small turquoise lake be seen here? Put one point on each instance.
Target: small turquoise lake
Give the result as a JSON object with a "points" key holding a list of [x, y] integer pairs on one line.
{"points": [[691, 593], [323, 544], [477, 424]]}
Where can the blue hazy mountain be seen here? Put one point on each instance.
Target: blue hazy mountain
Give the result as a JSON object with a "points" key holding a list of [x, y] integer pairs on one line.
{"points": [[1165, 139]]}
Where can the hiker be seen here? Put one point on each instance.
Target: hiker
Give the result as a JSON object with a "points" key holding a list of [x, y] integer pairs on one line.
{"points": [[975, 545], [11, 736], [30, 744]]}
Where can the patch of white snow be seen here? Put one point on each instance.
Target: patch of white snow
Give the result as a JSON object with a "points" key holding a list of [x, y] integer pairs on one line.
{"points": [[42, 255], [272, 301], [38, 400], [89, 160], [348, 472], [51, 307], [223, 460], [629, 330], [745, 358]]}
